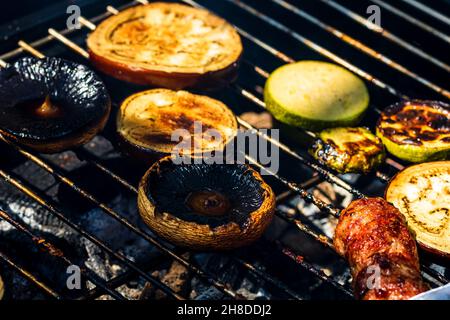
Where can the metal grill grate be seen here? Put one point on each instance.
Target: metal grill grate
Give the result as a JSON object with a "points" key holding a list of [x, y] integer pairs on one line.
{"points": [[249, 93]]}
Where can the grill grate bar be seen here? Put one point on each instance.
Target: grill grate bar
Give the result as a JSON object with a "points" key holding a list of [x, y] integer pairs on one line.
{"points": [[386, 34], [298, 188], [30, 277], [431, 12], [312, 45], [362, 47], [308, 266], [413, 20], [324, 173], [51, 249], [18, 184]]}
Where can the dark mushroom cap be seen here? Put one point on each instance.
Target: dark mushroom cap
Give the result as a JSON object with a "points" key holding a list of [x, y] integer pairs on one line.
{"points": [[204, 206], [78, 98]]}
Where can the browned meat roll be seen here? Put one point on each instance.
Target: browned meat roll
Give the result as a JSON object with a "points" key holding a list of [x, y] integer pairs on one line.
{"points": [[372, 235]]}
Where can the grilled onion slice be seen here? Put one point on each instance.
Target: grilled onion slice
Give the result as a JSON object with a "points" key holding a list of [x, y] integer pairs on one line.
{"points": [[416, 131], [166, 45], [205, 206], [147, 121], [422, 193], [348, 150]]}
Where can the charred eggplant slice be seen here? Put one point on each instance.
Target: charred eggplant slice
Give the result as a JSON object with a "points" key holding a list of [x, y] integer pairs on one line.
{"points": [[203, 206], [148, 120], [167, 45], [315, 95], [51, 105], [422, 194], [416, 131], [348, 150]]}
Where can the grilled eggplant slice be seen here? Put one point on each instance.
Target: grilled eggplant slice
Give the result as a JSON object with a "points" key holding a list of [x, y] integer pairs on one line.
{"points": [[147, 121], [348, 150], [416, 131], [422, 194], [167, 45], [315, 95], [51, 105], [205, 206]]}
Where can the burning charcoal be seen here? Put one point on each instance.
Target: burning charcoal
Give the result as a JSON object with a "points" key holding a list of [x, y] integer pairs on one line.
{"points": [[177, 278]]}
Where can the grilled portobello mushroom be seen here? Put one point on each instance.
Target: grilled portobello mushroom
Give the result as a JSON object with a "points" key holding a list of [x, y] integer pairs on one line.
{"points": [[205, 206], [2, 288], [422, 194], [348, 150], [148, 120], [315, 95], [51, 104], [167, 45], [416, 130]]}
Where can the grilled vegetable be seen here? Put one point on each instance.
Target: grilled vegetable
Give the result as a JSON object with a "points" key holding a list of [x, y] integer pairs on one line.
{"points": [[315, 95], [51, 105], [416, 131], [167, 45], [205, 206], [422, 193], [373, 236], [2, 289], [346, 150], [147, 121]]}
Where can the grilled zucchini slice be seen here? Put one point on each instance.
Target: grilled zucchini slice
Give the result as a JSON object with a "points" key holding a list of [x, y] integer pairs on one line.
{"points": [[422, 193], [315, 95], [348, 150], [416, 131]]}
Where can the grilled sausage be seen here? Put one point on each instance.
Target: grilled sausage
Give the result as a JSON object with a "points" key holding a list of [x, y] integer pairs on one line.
{"points": [[372, 235]]}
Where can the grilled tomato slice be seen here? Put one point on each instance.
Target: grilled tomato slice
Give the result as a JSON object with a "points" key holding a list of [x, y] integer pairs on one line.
{"points": [[416, 131], [167, 45], [348, 150], [422, 194]]}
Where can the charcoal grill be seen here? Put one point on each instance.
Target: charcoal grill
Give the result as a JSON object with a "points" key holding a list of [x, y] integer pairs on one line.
{"points": [[404, 57]]}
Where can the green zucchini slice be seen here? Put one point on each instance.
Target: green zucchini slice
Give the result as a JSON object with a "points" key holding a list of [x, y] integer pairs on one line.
{"points": [[422, 194], [416, 131], [315, 95], [348, 150]]}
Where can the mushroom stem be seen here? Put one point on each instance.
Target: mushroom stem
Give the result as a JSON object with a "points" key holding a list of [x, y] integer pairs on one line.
{"points": [[209, 203], [47, 109]]}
